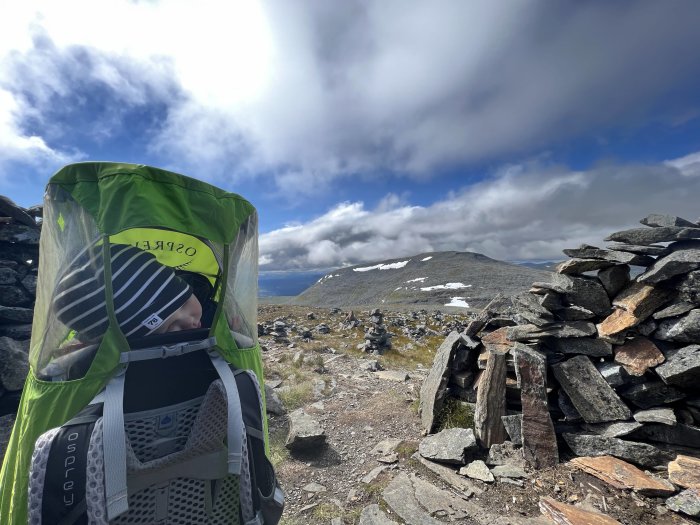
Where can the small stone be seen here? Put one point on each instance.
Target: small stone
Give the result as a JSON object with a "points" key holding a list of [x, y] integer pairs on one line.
{"points": [[393, 375], [369, 478], [505, 454], [685, 471], [639, 355], [314, 488], [477, 470], [663, 416], [389, 458], [386, 446], [508, 471], [273, 402], [687, 502]]}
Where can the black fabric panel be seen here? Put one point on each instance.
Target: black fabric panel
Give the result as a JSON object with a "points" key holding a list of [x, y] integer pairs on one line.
{"points": [[64, 485], [162, 382]]}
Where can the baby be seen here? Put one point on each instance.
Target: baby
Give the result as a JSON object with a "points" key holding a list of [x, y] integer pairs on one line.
{"points": [[148, 297]]}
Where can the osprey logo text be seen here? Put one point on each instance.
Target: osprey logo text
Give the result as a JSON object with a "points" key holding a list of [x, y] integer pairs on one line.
{"points": [[68, 483]]}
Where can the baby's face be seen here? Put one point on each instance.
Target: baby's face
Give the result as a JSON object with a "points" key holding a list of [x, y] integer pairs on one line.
{"points": [[187, 317]]}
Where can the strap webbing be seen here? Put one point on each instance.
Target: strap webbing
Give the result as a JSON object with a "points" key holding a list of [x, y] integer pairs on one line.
{"points": [[165, 351], [235, 427], [209, 466], [114, 445]]}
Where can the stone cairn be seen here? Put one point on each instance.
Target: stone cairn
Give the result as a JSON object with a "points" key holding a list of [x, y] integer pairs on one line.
{"points": [[595, 363], [377, 339], [19, 261]]}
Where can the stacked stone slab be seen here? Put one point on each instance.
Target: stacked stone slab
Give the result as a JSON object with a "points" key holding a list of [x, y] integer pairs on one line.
{"points": [[604, 359], [377, 339], [19, 254]]}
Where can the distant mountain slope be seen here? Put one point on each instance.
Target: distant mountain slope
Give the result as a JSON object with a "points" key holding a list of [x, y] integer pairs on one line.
{"points": [[441, 279]]}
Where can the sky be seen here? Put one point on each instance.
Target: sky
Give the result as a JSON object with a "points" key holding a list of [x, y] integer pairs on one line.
{"points": [[362, 130]]}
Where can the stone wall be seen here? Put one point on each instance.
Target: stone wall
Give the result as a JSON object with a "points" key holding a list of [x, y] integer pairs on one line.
{"points": [[602, 360], [19, 254]]}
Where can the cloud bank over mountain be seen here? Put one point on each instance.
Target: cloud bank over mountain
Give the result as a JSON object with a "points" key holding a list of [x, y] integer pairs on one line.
{"points": [[529, 211]]}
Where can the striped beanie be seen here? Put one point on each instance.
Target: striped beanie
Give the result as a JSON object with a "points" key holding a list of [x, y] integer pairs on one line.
{"points": [[145, 293]]}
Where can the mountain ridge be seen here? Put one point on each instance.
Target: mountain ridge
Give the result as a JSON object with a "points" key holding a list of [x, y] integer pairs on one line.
{"points": [[451, 279]]}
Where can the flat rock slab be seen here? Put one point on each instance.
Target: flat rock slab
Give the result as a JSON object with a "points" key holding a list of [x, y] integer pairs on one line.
{"points": [[563, 514], [616, 429], [537, 432], [663, 416], [622, 475], [586, 251], [305, 432], [449, 445], [593, 347], [399, 495], [392, 375], [432, 392], [491, 402], [683, 435], [592, 396], [439, 502], [687, 502], [652, 394], [373, 474], [682, 367], [637, 248], [373, 515], [639, 453], [685, 471], [675, 263], [683, 330], [657, 220], [673, 310], [449, 476], [634, 304], [531, 332], [639, 355], [645, 236]]}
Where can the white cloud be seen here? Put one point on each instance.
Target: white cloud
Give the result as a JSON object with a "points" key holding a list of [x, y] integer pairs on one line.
{"points": [[309, 92], [526, 212]]}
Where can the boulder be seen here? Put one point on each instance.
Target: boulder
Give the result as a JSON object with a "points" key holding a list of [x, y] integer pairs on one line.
{"points": [[449, 446], [305, 433]]}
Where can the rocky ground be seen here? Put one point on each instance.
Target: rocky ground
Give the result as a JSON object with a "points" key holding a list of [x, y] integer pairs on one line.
{"points": [[367, 469]]}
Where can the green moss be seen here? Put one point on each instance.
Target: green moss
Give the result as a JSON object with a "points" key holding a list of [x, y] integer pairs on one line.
{"points": [[278, 452], [455, 414], [325, 512]]}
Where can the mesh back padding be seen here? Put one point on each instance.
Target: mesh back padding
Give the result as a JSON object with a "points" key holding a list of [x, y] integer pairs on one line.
{"points": [[142, 428], [200, 428], [37, 474]]}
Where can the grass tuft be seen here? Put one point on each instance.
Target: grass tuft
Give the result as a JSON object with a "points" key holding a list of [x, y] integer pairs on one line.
{"points": [[455, 414]]}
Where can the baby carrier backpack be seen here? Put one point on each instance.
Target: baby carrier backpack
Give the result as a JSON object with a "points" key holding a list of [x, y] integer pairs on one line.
{"points": [[164, 428]]}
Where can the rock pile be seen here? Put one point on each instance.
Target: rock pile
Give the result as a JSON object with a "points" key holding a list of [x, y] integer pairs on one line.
{"points": [[19, 254], [377, 339], [594, 362]]}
